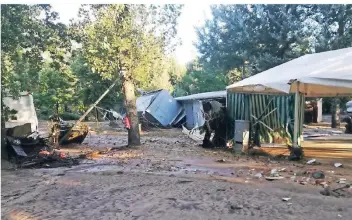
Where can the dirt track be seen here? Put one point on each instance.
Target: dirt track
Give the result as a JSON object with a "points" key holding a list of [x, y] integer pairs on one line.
{"points": [[168, 177]]}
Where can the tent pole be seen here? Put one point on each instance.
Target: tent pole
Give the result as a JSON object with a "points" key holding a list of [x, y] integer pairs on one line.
{"points": [[296, 115]]}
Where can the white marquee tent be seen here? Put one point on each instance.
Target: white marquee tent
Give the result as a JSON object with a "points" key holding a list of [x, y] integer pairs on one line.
{"points": [[326, 74]]}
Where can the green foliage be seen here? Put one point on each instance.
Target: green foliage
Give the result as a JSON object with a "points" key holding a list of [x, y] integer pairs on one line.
{"points": [[25, 37], [242, 40], [129, 36], [90, 85], [328, 102], [54, 87], [37, 56], [68, 116], [254, 38], [198, 79]]}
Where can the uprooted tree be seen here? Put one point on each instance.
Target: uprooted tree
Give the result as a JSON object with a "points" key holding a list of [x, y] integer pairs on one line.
{"points": [[126, 42]]}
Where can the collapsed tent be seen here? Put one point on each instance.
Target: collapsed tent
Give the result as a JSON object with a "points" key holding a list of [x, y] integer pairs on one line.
{"points": [[193, 105], [327, 74], [159, 108]]}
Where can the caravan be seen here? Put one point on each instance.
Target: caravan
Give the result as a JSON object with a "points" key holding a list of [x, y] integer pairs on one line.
{"points": [[25, 111]]}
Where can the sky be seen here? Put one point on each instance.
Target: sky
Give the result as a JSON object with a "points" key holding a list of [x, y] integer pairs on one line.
{"points": [[193, 15]]}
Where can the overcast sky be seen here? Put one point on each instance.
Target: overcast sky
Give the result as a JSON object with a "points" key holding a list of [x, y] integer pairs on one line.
{"points": [[192, 15]]}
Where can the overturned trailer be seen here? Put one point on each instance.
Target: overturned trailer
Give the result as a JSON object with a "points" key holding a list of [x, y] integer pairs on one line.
{"points": [[159, 108]]}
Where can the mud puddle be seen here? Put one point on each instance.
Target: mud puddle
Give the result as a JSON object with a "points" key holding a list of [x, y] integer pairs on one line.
{"points": [[220, 167]]}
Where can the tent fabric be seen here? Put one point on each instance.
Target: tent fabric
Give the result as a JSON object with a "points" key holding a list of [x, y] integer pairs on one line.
{"points": [[204, 95], [325, 74], [243, 106]]}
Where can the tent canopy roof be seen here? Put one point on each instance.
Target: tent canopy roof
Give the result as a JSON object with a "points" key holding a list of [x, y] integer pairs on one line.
{"points": [[204, 95], [319, 75]]}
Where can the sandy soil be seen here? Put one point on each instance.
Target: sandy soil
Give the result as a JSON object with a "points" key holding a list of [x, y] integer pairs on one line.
{"points": [[171, 177]]}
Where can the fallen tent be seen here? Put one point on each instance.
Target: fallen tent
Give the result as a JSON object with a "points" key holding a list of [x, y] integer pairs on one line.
{"points": [[159, 108], [327, 74]]}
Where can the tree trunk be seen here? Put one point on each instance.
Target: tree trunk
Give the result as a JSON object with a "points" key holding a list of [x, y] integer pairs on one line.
{"points": [[130, 100], [335, 113], [57, 108], [4, 152]]}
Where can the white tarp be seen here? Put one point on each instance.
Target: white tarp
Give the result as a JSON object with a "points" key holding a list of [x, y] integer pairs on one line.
{"points": [[319, 75], [204, 95]]}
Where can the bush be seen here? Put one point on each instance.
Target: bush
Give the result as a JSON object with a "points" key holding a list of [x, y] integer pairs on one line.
{"points": [[67, 116]]}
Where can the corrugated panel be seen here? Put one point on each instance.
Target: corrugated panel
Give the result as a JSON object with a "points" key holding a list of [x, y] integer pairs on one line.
{"points": [[242, 106], [164, 108]]}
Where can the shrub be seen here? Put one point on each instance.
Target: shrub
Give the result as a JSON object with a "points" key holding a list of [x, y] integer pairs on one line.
{"points": [[67, 116]]}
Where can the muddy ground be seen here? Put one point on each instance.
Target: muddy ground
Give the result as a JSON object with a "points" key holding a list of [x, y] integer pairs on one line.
{"points": [[171, 177]]}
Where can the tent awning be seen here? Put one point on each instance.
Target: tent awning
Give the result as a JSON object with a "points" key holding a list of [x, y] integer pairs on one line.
{"points": [[319, 75]]}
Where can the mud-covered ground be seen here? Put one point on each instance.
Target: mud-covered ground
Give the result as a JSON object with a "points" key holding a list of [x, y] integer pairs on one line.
{"points": [[172, 177]]}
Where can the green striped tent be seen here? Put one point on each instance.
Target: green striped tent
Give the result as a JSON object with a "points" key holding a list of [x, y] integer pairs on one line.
{"points": [[278, 109]]}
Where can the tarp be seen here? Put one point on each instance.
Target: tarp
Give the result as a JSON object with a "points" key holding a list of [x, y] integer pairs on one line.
{"points": [[204, 95], [325, 74]]}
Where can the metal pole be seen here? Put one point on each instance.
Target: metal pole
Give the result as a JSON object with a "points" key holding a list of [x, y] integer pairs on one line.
{"points": [[87, 112], [296, 115]]}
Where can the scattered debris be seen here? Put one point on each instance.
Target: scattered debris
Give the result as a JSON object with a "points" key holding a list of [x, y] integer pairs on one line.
{"points": [[194, 134], [312, 162], [274, 173], [321, 182], [338, 192], [221, 161], [236, 207], [186, 181], [258, 175], [271, 178], [342, 181], [19, 150], [318, 175], [302, 182], [338, 165], [286, 199], [63, 133], [44, 153]]}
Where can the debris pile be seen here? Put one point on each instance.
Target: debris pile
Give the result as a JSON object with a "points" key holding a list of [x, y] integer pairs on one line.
{"points": [[28, 150], [45, 159], [274, 175]]}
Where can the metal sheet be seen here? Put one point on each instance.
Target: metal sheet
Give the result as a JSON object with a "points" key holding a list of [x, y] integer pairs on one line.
{"points": [[160, 105], [204, 95], [19, 150]]}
